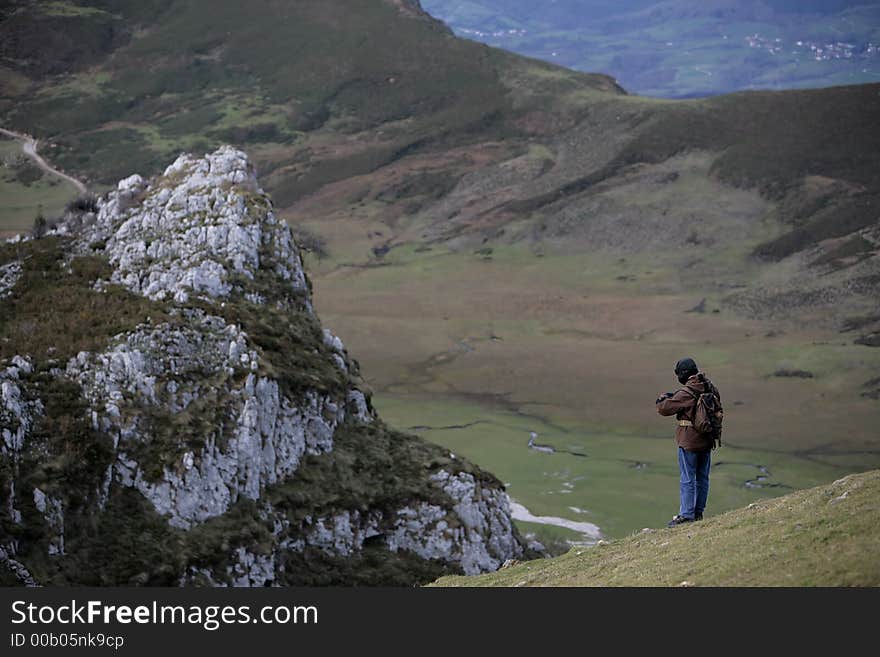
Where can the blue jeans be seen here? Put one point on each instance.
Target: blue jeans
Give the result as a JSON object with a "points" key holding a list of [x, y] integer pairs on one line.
{"points": [[694, 469]]}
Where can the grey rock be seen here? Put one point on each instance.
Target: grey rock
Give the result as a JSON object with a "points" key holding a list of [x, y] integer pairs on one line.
{"points": [[53, 513], [165, 367], [203, 223], [485, 538], [344, 533], [251, 569], [17, 412], [9, 275], [18, 569]]}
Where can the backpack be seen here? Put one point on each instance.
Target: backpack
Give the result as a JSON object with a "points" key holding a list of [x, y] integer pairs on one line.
{"points": [[708, 414]]}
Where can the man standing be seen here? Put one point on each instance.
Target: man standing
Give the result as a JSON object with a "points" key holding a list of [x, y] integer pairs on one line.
{"points": [[694, 447]]}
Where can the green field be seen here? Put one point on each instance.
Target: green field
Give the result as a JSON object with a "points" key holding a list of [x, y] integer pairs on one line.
{"points": [[26, 191], [623, 482], [560, 346]]}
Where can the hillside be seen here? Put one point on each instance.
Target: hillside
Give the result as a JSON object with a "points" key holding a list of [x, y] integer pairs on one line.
{"points": [[266, 73], [507, 245], [317, 102], [824, 536], [329, 113]]}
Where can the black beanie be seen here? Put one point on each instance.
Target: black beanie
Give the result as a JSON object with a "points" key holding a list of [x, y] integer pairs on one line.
{"points": [[685, 369]]}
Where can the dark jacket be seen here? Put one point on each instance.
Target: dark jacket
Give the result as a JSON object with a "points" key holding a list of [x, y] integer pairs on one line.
{"points": [[682, 405]]}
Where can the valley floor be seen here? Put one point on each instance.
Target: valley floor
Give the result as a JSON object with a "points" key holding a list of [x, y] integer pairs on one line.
{"points": [[476, 352]]}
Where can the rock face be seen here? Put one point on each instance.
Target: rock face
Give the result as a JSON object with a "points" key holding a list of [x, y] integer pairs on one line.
{"points": [[224, 424]]}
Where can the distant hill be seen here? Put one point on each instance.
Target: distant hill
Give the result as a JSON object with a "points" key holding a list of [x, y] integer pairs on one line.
{"points": [[824, 536], [677, 49]]}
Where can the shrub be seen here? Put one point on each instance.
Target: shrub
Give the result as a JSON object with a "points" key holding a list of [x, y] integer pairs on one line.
{"points": [[40, 225], [83, 203], [310, 242]]}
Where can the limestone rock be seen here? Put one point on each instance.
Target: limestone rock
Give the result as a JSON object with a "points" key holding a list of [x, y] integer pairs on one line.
{"points": [[216, 426], [9, 275]]}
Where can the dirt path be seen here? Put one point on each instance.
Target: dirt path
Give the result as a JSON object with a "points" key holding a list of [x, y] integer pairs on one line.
{"points": [[29, 148]]}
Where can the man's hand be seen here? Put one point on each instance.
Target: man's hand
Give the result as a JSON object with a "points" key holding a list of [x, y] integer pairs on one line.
{"points": [[663, 396]]}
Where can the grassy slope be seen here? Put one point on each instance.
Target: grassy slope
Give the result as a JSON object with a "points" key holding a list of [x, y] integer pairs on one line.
{"points": [[317, 100], [824, 536]]}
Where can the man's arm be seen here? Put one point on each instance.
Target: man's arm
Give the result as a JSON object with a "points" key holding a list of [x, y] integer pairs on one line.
{"points": [[667, 405]]}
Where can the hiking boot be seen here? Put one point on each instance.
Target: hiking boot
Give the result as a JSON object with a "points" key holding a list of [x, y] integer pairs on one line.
{"points": [[698, 516], [678, 520]]}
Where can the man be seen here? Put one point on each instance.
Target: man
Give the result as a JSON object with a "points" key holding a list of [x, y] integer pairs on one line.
{"points": [[694, 448]]}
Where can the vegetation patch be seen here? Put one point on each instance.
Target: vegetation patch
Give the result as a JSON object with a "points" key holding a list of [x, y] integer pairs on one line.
{"points": [[54, 311], [852, 247], [374, 565], [370, 467], [66, 458], [167, 436], [102, 149], [28, 173], [73, 456], [837, 218], [291, 346]]}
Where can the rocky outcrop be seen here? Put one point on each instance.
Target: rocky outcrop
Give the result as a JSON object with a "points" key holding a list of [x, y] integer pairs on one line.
{"points": [[221, 412], [202, 225], [17, 412], [164, 369]]}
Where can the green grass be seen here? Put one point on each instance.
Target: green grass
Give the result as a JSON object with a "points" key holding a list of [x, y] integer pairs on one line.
{"points": [[53, 311], [26, 191], [823, 536]]}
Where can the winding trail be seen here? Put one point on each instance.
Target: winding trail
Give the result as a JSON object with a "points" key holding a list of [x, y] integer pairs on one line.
{"points": [[29, 148]]}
